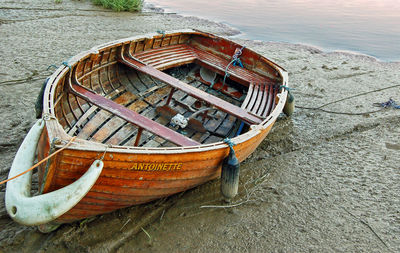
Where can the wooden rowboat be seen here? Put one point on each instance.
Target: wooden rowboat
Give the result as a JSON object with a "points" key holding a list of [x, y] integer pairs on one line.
{"points": [[153, 115]]}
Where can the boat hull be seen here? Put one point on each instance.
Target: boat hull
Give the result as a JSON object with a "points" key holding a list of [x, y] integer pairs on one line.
{"points": [[134, 173], [131, 178]]}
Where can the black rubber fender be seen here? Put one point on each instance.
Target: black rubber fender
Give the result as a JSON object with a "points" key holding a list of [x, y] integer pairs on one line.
{"points": [[288, 109], [230, 176], [39, 100]]}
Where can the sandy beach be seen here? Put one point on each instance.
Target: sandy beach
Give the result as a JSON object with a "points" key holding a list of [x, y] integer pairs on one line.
{"points": [[324, 180]]}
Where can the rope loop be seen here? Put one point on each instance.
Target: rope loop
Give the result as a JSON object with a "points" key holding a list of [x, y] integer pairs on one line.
{"points": [[229, 142], [238, 53]]}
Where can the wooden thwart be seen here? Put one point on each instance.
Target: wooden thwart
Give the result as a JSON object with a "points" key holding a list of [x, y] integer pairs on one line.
{"points": [[194, 92], [130, 116]]}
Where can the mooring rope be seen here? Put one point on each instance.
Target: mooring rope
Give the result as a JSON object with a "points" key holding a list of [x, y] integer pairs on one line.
{"points": [[350, 97], [226, 73], [39, 163], [65, 63], [52, 66], [235, 60]]}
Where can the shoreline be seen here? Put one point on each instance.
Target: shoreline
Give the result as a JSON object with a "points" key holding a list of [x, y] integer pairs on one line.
{"points": [[158, 9]]}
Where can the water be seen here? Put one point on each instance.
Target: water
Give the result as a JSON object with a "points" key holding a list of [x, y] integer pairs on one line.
{"points": [[369, 27]]}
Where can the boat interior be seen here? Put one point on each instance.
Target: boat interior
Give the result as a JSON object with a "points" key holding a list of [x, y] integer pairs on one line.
{"points": [[169, 91]]}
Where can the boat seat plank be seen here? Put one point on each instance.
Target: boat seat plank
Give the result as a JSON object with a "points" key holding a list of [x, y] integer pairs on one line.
{"points": [[271, 100], [267, 89], [179, 62], [130, 139], [256, 93], [131, 116], [168, 56], [183, 103], [190, 90], [260, 99], [148, 81], [260, 95], [160, 50], [164, 55]]}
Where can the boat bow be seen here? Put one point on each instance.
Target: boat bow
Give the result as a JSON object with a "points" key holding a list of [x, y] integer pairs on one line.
{"points": [[36, 210]]}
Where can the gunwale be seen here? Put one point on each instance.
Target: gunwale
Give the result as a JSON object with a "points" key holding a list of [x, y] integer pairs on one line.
{"points": [[55, 130]]}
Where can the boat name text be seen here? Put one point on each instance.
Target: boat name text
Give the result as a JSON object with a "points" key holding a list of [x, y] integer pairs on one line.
{"points": [[156, 166]]}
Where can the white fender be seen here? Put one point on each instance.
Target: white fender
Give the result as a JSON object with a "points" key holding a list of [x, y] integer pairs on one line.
{"points": [[36, 210]]}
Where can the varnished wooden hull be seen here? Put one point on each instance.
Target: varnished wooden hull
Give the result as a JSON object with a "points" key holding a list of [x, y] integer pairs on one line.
{"points": [[154, 168]]}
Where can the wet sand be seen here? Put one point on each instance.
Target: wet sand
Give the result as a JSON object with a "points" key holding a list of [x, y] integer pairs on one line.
{"points": [[324, 180]]}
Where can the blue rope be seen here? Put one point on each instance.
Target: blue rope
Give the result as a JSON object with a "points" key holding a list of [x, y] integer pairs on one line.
{"points": [[238, 61], [286, 88], [51, 66], [65, 63], [388, 104], [161, 32], [229, 142], [240, 129], [235, 60], [212, 84], [226, 72]]}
